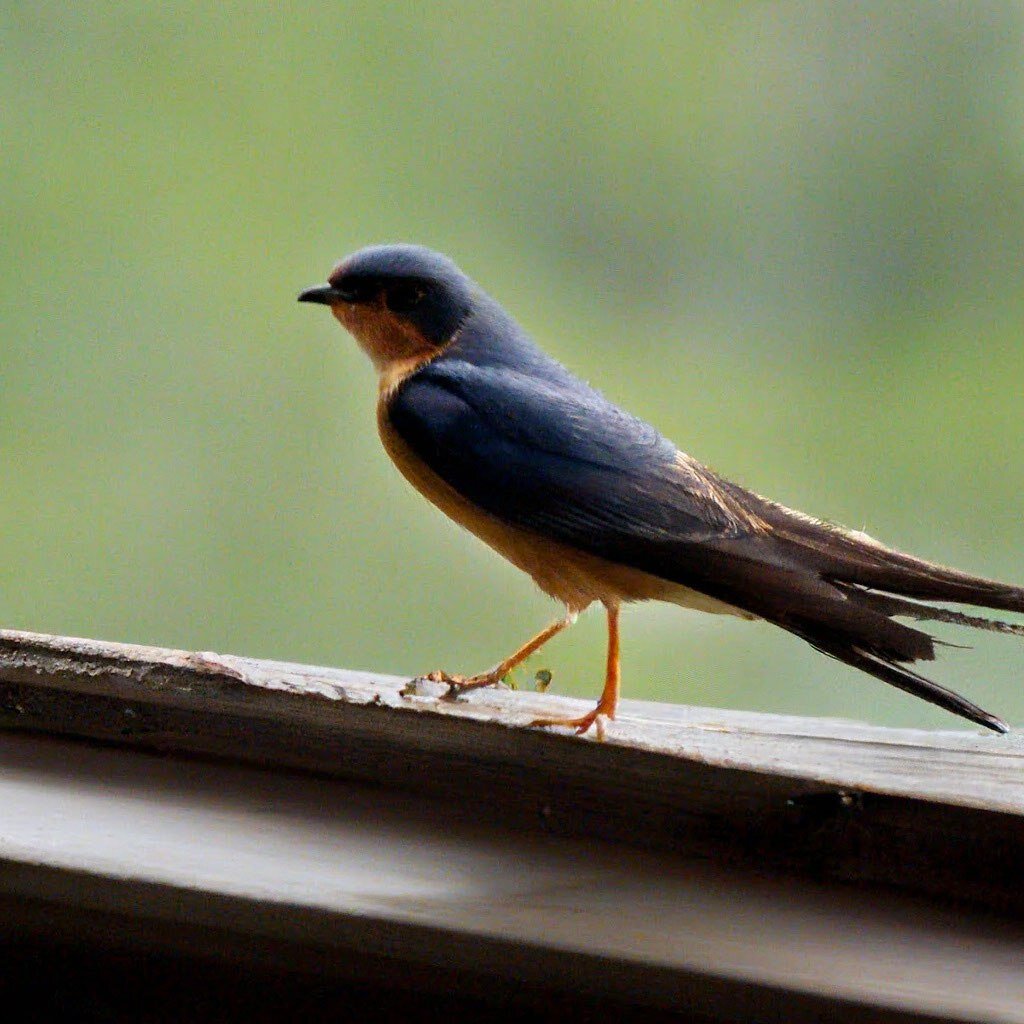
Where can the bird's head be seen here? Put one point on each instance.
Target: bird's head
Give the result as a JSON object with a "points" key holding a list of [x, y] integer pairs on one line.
{"points": [[400, 302]]}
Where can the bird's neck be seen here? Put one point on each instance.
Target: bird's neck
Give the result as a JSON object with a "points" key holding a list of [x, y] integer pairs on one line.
{"points": [[397, 370]]}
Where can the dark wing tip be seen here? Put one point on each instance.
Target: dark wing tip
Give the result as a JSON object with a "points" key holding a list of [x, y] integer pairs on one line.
{"points": [[995, 724]]}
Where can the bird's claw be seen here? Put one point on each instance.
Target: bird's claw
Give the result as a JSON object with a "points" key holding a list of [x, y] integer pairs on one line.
{"points": [[597, 718], [458, 685]]}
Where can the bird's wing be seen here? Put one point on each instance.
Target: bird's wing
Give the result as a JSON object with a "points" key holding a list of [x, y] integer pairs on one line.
{"points": [[852, 557], [567, 465]]}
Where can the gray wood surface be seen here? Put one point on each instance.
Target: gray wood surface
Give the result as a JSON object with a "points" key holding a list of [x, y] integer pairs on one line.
{"points": [[972, 769], [934, 812], [746, 866], [318, 872]]}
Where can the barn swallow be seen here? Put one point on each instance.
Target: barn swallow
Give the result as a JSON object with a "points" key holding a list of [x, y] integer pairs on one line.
{"points": [[596, 506]]}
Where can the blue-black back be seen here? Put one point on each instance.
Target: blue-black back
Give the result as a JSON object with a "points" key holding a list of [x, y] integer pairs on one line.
{"points": [[517, 434]]}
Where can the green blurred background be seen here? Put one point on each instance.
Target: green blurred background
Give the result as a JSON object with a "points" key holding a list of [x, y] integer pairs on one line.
{"points": [[789, 234]]}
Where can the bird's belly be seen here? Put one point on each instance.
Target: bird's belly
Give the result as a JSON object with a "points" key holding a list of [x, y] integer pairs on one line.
{"points": [[687, 598], [573, 577]]}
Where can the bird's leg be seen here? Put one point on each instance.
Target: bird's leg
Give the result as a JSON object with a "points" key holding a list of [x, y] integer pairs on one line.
{"points": [[460, 684], [609, 695]]}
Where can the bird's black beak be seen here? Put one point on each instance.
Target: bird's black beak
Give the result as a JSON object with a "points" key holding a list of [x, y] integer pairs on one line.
{"points": [[324, 294]]}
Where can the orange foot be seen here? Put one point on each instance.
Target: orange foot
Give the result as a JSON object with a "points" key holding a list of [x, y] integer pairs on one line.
{"points": [[460, 684], [598, 717]]}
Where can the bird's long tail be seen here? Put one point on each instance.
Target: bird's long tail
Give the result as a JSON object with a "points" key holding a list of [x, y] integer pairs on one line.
{"points": [[890, 605], [860, 587], [890, 665]]}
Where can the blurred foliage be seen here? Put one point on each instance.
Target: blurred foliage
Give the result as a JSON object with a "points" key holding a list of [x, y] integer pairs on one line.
{"points": [[786, 233]]}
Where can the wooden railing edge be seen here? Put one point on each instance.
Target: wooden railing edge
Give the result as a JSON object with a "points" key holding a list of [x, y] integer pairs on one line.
{"points": [[938, 813]]}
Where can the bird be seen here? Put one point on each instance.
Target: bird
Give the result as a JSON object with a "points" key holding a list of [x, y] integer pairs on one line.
{"points": [[599, 508]]}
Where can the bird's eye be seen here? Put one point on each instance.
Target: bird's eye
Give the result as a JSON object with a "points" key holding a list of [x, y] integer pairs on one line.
{"points": [[355, 289], [405, 296]]}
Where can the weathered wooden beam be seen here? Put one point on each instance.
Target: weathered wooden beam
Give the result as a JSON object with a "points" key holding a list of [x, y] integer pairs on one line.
{"points": [[933, 812], [721, 863], [119, 849]]}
